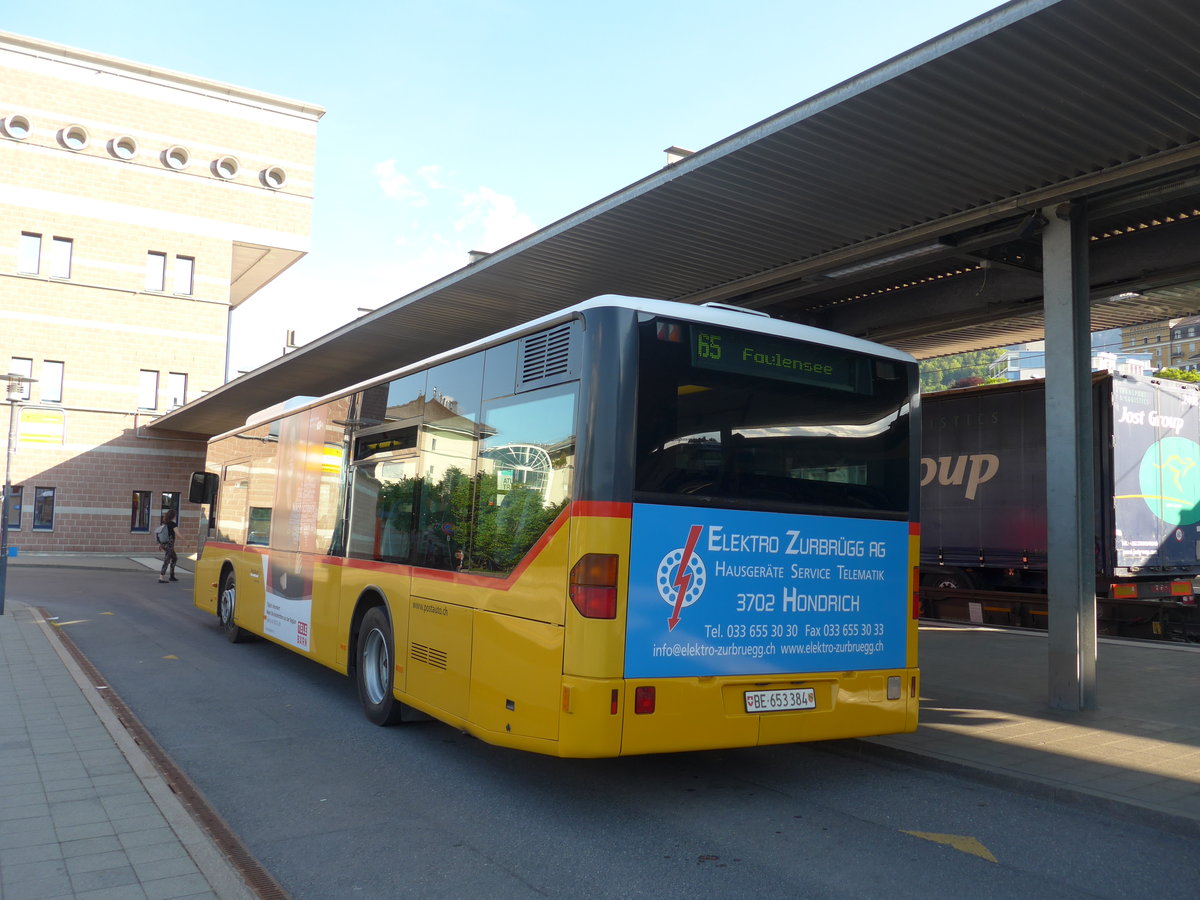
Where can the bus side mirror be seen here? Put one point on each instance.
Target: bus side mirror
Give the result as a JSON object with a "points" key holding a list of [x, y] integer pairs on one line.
{"points": [[203, 488]]}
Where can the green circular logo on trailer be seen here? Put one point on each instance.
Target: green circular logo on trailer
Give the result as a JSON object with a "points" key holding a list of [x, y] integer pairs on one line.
{"points": [[1170, 480]]}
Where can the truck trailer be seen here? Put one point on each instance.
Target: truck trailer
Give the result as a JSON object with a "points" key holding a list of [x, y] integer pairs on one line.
{"points": [[983, 499]]}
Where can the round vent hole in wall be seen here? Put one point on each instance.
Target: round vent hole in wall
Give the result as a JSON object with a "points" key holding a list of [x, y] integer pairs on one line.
{"points": [[274, 177], [177, 157], [15, 126], [74, 137], [226, 167], [123, 147]]}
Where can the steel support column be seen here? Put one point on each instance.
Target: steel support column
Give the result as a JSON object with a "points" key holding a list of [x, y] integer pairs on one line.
{"points": [[1070, 487]]}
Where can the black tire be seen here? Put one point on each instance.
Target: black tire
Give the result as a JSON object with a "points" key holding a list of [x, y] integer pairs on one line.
{"points": [[375, 670], [949, 580], [226, 609]]}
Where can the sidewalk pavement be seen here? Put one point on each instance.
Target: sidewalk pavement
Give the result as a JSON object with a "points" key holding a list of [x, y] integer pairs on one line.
{"points": [[85, 814], [984, 709]]}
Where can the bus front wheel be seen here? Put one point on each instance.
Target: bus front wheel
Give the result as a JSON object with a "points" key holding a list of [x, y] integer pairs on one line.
{"points": [[226, 603], [375, 671]]}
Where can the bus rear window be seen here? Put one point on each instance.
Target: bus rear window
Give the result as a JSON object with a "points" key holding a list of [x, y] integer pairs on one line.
{"points": [[735, 419]]}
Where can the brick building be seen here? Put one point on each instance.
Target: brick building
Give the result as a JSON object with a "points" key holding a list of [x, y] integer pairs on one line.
{"points": [[138, 207]]}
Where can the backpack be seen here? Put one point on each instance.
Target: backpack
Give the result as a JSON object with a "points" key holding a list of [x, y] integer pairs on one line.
{"points": [[162, 534]]}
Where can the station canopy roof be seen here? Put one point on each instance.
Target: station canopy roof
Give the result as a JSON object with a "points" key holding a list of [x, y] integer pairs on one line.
{"points": [[903, 206]]}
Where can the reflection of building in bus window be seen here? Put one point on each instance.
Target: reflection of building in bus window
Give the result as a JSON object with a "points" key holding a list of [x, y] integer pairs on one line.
{"points": [[364, 497], [394, 515], [527, 464], [260, 526]]}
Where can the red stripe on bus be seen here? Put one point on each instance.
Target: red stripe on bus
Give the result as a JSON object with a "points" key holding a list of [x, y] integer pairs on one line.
{"points": [[246, 548], [602, 509], [914, 527]]}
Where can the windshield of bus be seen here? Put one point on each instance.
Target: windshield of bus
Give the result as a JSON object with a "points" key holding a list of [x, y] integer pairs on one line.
{"points": [[731, 418]]}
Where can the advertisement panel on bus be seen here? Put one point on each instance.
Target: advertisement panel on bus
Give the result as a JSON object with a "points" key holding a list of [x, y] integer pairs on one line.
{"points": [[735, 592]]}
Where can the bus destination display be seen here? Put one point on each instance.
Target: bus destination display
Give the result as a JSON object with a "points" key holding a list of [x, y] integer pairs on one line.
{"points": [[746, 353]]}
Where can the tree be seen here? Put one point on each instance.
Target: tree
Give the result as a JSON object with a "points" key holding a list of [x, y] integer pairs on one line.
{"points": [[1171, 374], [947, 371]]}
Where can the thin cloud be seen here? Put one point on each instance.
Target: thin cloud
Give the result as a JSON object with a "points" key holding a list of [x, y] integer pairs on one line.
{"points": [[451, 220], [397, 185], [429, 174], [497, 217]]}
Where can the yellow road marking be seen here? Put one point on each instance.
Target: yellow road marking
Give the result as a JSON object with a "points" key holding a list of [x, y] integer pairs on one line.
{"points": [[170, 656], [72, 622], [108, 614], [960, 842]]}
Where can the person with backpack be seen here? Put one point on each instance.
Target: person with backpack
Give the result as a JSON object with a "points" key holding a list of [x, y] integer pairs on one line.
{"points": [[165, 535]]}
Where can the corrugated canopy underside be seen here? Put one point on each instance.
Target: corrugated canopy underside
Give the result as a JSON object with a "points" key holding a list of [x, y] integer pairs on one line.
{"points": [[891, 206]]}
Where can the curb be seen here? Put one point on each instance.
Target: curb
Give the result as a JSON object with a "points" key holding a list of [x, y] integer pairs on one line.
{"points": [[224, 879], [1028, 785]]}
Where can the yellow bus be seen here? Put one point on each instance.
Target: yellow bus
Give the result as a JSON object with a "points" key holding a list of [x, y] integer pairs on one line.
{"points": [[630, 527]]}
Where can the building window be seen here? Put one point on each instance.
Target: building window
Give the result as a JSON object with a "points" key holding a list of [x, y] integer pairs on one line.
{"points": [[148, 390], [156, 271], [29, 254], [13, 501], [185, 269], [43, 509], [24, 367], [176, 389], [139, 515], [52, 381], [60, 257], [170, 503]]}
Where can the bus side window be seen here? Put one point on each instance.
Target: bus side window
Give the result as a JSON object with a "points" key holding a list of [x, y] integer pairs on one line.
{"points": [[382, 497], [527, 461], [448, 448]]}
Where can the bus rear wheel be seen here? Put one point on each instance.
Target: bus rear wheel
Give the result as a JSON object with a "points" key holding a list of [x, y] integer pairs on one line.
{"points": [[375, 671], [226, 604]]}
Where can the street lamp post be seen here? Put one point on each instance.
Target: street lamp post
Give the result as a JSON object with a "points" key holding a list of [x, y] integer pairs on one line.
{"points": [[15, 389]]}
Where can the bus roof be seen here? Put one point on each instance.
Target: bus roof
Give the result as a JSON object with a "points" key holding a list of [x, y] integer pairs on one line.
{"points": [[713, 314]]}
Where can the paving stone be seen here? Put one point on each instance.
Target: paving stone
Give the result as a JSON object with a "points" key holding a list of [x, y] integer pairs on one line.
{"points": [[88, 846], [165, 868], [34, 853], [16, 873], [91, 862], [53, 886], [118, 876], [175, 888], [81, 832]]}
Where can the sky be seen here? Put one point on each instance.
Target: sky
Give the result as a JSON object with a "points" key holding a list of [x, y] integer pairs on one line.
{"points": [[452, 127]]}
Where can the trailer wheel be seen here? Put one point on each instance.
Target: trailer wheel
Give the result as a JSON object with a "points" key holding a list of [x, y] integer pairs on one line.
{"points": [[949, 580]]}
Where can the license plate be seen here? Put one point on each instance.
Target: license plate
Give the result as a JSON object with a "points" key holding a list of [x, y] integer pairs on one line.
{"points": [[770, 701]]}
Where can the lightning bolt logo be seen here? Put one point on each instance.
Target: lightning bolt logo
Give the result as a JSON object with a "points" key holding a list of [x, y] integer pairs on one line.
{"points": [[683, 575]]}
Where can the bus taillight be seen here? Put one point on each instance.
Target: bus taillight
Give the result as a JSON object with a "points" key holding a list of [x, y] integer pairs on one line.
{"points": [[644, 700], [593, 585]]}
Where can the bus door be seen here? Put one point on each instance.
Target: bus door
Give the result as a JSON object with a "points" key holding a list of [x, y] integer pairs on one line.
{"points": [[232, 502]]}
